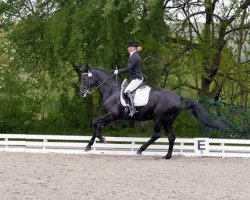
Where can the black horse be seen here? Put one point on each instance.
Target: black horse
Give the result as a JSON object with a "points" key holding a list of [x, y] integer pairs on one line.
{"points": [[163, 107]]}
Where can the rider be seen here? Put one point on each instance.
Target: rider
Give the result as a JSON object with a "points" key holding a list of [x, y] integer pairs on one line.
{"points": [[134, 67]]}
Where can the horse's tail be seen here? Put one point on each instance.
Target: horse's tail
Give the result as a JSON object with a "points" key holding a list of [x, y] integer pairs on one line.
{"points": [[198, 111]]}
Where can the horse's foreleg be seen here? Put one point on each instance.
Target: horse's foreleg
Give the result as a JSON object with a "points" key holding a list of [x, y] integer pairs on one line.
{"points": [[96, 133], [97, 125], [171, 138], [155, 136], [91, 142]]}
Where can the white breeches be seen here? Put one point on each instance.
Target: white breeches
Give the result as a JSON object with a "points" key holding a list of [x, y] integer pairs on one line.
{"points": [[133, 85]]}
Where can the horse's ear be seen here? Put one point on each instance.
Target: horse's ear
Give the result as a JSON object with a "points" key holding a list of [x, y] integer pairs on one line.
{"points": [[85, 68]]}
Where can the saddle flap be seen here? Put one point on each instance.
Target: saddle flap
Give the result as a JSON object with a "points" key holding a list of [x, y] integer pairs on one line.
{"points": [[141, 94]]}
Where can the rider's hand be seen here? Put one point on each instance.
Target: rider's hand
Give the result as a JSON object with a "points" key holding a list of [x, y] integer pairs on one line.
{"points": [[116, 72]]}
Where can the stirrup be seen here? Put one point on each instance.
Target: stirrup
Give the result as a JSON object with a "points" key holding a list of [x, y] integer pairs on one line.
{"points": [[132, 111]]}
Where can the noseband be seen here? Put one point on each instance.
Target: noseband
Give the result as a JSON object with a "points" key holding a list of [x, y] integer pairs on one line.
{"points": [[88, 84]]}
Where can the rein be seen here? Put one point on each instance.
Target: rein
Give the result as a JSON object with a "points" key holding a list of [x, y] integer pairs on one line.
{"points": [[88, 89], [103, 82]]}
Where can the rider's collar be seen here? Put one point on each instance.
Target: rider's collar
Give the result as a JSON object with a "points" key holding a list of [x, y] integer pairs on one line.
{"points": [[131, 53]]}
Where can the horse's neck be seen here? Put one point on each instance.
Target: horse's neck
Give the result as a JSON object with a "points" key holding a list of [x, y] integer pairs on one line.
{"points": [[107, 85]]}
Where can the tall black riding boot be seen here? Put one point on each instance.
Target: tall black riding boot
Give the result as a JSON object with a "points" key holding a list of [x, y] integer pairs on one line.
{"points": [[132, 105]]}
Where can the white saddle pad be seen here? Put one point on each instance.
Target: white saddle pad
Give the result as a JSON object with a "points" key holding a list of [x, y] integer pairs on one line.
{"points": [[141, 96]]}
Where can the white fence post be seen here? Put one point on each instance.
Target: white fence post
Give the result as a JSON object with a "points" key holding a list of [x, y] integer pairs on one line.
{"points": [[94, 145], [6, 142], [133, 146], [223, 149], [182, 147], [45, 141]]}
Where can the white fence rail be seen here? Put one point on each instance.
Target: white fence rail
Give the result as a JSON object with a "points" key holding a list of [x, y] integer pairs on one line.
{"points": [[123, 145]]}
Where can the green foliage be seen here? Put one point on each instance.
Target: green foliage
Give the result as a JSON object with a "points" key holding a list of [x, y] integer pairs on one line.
{"points": [[18, 108], [187, 125], [17, 114], [67, 115], [235, 117]]}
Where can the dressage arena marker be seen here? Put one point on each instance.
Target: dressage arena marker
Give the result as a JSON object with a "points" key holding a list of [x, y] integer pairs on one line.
{"points": [[123, 145]]}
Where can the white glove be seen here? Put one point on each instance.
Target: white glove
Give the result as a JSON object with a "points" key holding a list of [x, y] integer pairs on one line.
{"points": [[116, 72]]}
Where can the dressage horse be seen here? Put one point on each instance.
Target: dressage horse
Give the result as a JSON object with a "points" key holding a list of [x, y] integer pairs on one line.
{"points": [[163, 107]]}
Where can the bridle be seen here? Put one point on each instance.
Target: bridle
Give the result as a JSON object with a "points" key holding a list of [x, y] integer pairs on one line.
{"points": [[88, 89], [89, 75]]}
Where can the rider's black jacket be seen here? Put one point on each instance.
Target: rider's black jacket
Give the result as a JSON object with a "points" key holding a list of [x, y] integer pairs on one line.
{"points": [[134, 66]]}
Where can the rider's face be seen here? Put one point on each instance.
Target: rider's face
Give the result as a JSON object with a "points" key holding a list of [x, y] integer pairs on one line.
{"points": [[131, 49]]}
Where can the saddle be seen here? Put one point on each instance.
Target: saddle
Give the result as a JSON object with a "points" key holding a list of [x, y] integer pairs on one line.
{"points": [[140, 95]]}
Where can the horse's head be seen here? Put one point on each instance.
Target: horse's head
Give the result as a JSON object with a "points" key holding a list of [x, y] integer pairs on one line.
{"points": [[87, 81]]}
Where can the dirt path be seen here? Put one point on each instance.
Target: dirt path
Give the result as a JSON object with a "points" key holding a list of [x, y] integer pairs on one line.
{"points": [[58, 176]]}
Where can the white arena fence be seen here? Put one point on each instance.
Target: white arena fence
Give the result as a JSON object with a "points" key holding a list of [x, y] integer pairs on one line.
{"points": [[123, 145]]}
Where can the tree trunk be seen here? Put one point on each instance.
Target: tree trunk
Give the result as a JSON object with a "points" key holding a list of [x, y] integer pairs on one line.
{"points": [[240, 44]]}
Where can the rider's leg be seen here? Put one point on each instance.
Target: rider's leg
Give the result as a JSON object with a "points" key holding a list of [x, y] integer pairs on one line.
{"points": [[129, 89], [135, 83], [132, 105]]}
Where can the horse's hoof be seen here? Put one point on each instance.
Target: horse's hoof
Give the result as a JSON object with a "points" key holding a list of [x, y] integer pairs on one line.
{"points": [[166, 157], [138, 153], [87, 149], [103, 140]]}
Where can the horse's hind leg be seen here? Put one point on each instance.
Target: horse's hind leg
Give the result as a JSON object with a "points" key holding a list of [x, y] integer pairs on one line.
{"points": [[171, 138], [98, 124], [155, 136]]}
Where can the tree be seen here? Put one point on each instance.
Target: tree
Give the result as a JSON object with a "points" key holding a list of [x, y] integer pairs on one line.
{"points": [[221, 21], [49, 41]]}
